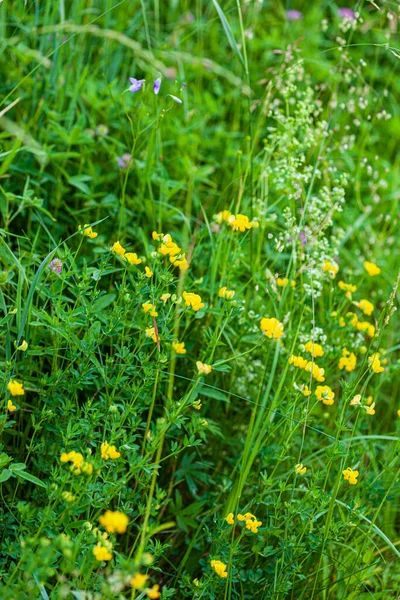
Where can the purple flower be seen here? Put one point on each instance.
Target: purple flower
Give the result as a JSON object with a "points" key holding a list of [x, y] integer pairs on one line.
{"points": [[124, 160], [157, 85], [137, 84], [175, 98], [303, 238], [56, 265], [347, 13], [294, 15]]}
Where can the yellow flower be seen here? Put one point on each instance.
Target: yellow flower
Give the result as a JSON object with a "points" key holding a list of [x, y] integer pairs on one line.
{"points": [[153, 592], [398, 413], [148, 307], [370, 410], [179, 347], [88, 231], [139, 580], [315, 349], [23, 346], [230, 519], [151, 333], [282, 282], [356, 401], [157, 236], [77, 460], [15, 388], [114, 521], [10, 406], [365, 326], [298, 361], [251, 522], [193, 300], [222, 216], [108, 451], [118, 249], [180, 262], [272, 328], [375, 363], [165, 297], [366, 306], [324, 393], [148, 272], [371, 268], [348, 361], [299, 469], [220, 568], [350, 475], [132, 258], [347, 287], [225, 293], [317, 372], [369, 400], [203, 368], [169, 248], [306, 391], [239, 222], [101, 552], [330, 267]]}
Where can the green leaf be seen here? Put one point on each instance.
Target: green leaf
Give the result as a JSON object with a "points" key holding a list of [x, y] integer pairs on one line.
{"points": [[5, 475], [20, 472], [228, 31]]}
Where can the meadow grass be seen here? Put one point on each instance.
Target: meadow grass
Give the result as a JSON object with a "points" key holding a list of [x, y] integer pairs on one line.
{"points": [[198, 299]]}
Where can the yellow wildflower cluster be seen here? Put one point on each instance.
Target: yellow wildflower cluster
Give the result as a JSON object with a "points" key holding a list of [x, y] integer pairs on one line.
{"points": [[375, 363], [347, 361], [350, 475], [349, 288], [139, 581], [360, 325], [309, 366], [103, 550], [151, 333], [315, 349], [150, 308], [220, 568], [108, 451], [79, 465], [131, 257], [10, 406], [179, 347], [284, 281], [325, 394], [238, 222], [251, 522], [171, 249], [15, 388], [193, 300], [371, 268], [330, 267], [272, 328], [88, 231], [225, 293], [153, 592], [300, 469], [369, 407], [114, 522], [366, 306], [203, 368]]}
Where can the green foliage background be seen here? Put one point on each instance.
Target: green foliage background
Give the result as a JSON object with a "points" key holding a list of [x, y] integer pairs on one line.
{"points": [[293, 123]]}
